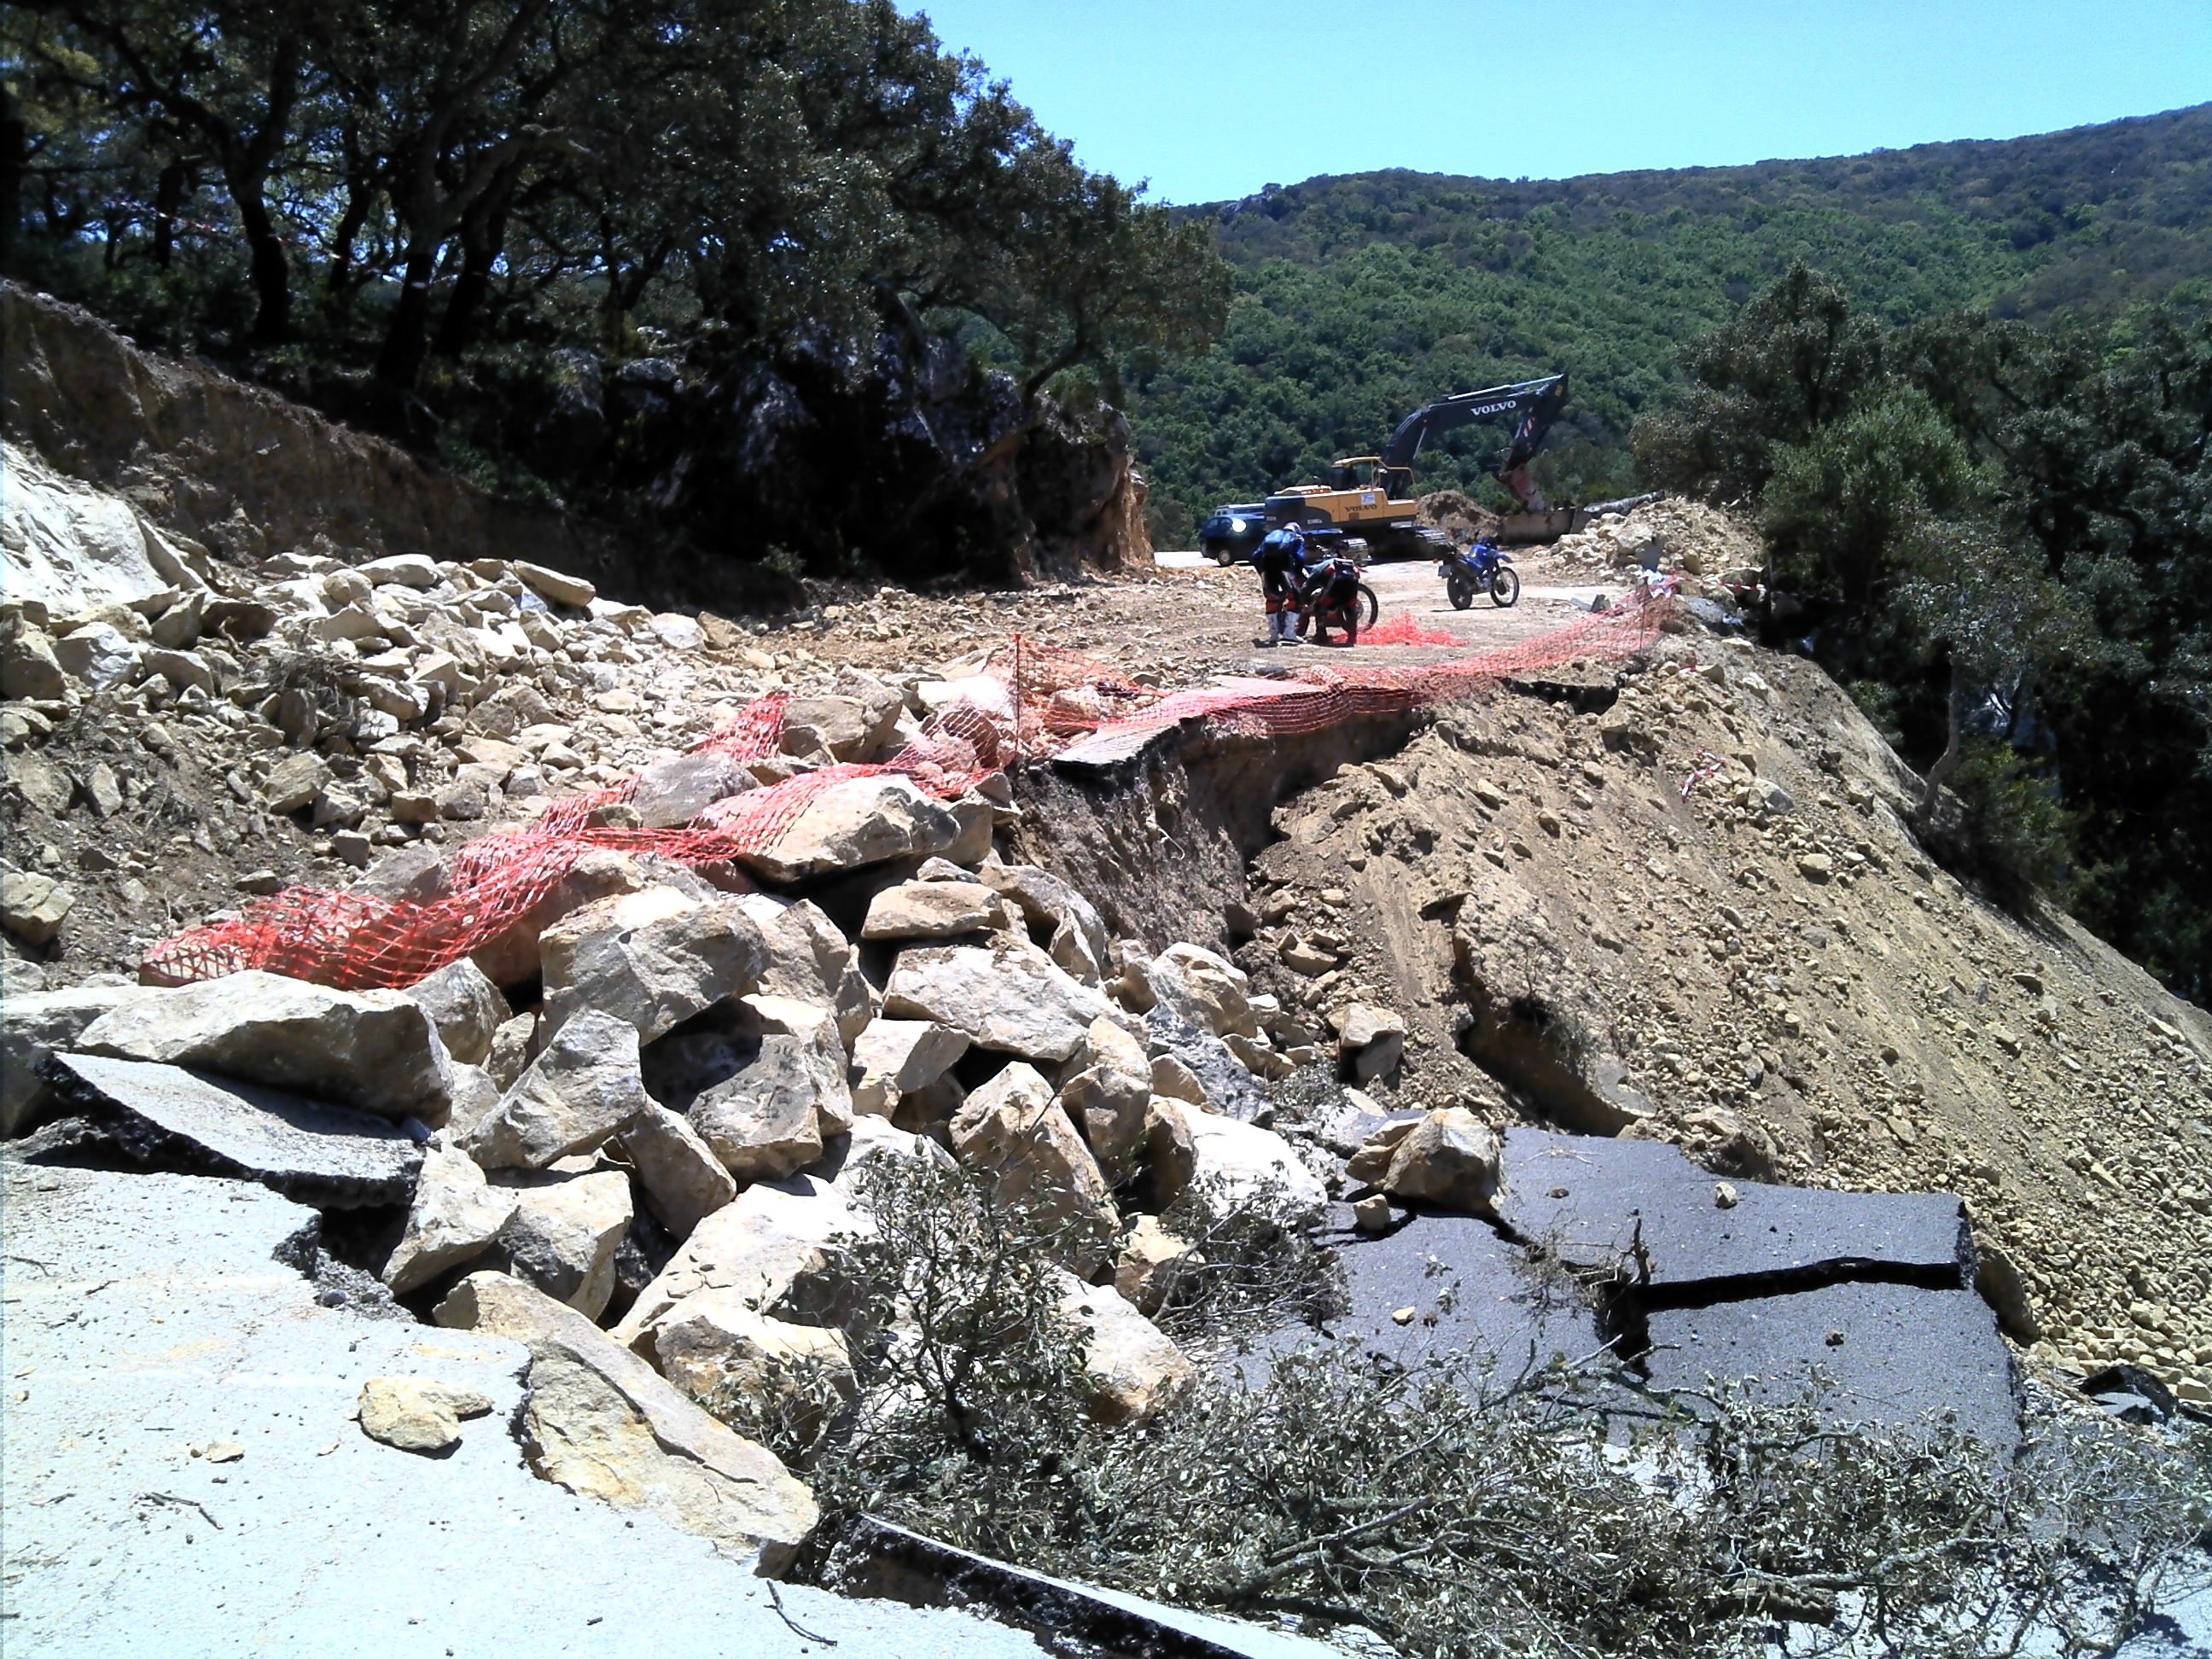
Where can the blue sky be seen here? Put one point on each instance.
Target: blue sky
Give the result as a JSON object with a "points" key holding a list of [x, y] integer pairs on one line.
{"points": [[1212, 99]]}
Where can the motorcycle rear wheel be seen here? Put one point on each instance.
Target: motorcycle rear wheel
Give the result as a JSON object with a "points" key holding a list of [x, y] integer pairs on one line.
{"points": [[1460, 594]]}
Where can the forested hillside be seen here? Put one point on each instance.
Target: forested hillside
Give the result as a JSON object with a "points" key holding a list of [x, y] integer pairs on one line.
{"points": [[1359, 297]]}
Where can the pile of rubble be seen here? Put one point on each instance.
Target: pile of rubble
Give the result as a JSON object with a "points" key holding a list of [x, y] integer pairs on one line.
{"points": [[1684, 538], [643, 1178]]}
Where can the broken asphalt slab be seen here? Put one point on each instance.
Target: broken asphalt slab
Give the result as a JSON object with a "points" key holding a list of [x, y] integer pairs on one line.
{"points": [[1592, 1201], [150, 1317], [1891, 1354], [163, 1117], [1472, 1295]]}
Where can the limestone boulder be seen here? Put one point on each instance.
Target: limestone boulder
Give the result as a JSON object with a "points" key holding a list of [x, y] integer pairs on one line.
{"points": [[1152, 1263], [33, 907], [1132, 1369], [809, 959], [512, 1046], [1069, 925], [36, 1024], [376, 1051], [853, 823], [1448, 1157], [563, 1235], [1170, 1153], [762, 1123], [598, 873], [454, 1217], [1240, 1167], [572, 1098], [1107, 1098], [930, 909], [776, 1247], [600, 1422], [859, 717], [1012, 1128], [1370, 1041], [846, 1159], [100, 655], [466, 1008], [653, 957], [672, 792], [715, 1343], [893, 1058], [1007, 995], [1206, 990], [29, 667], [683, 1182]]}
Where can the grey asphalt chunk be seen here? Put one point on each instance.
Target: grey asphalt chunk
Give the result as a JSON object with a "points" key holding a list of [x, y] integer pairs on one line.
{"points": [[148, 1315], [1474, 1299], [1590, 1200], [1893, 1353], [167, 1117]]}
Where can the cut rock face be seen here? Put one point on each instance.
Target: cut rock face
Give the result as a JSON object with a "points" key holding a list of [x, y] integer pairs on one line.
{"points": [[655, 958], [374, 1050], [602, 1423], [1007, 995], [572, 1099], [163, 1117], [1012, 1127], [857, 822]]}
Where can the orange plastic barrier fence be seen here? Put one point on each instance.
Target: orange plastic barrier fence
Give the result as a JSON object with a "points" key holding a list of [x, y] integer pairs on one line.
{"points": [[1028, 703]]}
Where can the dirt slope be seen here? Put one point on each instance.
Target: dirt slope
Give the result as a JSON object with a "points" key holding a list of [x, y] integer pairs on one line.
{"points": [[1765, 969]]}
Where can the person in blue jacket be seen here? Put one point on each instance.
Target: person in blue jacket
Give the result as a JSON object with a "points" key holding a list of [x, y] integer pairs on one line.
{"points": [[1280, 559]]}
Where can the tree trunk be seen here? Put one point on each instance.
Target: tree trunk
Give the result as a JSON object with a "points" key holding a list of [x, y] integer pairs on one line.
{"points": [[404, 342], [1954, 751], [15, 159], [168, 206], [483, 235], [271, 276]]}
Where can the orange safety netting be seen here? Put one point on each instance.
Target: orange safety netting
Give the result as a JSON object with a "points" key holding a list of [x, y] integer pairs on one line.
{"points": [[1402, 629], [1026, 703]]}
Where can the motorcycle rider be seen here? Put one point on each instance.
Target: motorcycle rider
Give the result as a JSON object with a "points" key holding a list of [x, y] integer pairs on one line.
{"points": [[1331, 586], [1280, 559]]}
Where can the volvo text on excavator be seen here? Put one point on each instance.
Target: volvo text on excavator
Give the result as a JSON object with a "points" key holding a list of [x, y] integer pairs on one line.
{"points": [[1370, 497]]}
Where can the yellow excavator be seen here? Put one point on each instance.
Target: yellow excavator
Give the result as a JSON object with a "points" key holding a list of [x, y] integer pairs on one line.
{"points": [[1370, 497]]}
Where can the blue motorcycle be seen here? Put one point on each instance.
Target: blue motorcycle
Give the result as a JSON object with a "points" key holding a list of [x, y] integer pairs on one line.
{"points": [[1480, 569]]}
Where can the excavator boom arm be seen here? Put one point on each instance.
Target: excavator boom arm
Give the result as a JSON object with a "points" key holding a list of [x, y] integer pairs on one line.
{"points": [[1532, 405]]}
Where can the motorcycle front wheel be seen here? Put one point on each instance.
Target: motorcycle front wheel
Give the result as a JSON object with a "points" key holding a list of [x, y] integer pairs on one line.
{"points": [[1504, 586], [1369, 607]]}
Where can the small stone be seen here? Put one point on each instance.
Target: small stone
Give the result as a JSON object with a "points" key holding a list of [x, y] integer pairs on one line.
{"points": [[1815, 867], [1404, 1316], [1372, 1214], [557, 586], [415, 1414], [221, 1451], [1724, 1195], [294, 781]]}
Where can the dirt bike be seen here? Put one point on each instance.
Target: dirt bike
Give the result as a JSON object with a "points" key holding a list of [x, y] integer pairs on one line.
{"points": [[1335, 597], [1480, 569]]}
